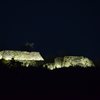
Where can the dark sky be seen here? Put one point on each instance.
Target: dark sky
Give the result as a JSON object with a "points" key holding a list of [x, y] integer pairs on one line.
{"points": [[73, 26]]}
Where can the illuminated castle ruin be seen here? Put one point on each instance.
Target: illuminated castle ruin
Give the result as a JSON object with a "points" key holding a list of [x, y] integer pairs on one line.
{"points": [[27, 58], [31, 59], [68, 61], [20, 55]]}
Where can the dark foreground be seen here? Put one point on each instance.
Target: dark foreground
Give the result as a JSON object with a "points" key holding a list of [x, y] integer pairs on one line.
{"points": [[39, 83]]}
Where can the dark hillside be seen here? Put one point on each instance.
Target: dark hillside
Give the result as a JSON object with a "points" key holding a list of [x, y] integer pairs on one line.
{"points": [[27, 81]]}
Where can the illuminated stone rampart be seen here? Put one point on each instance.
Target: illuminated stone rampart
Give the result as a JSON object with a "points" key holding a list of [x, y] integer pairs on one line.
{"points": [[20, 55], [68, 61], [26, 58]]}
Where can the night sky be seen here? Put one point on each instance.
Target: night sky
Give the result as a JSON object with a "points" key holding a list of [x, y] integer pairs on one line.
{"points": [[73, 26]]}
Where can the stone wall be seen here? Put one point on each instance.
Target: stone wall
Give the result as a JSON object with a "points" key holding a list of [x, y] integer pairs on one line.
{"points": [[68, 61], [25, 58], [20, 55]]}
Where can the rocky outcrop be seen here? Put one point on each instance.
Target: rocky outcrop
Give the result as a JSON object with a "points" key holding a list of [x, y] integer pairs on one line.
{"points": [[68, 61]]}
